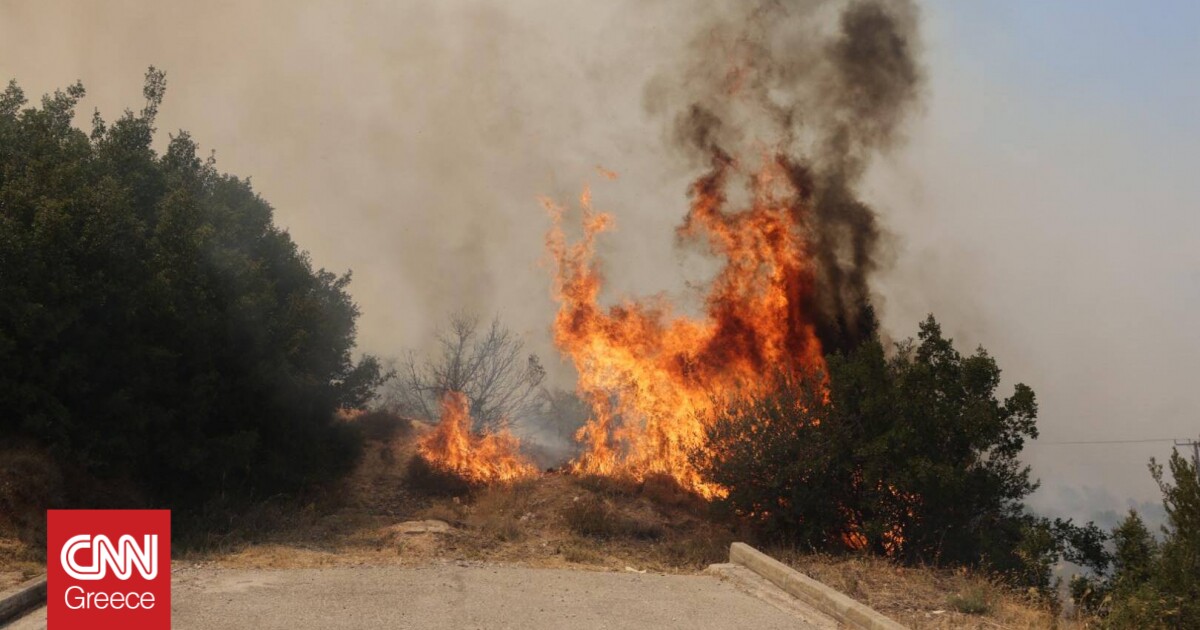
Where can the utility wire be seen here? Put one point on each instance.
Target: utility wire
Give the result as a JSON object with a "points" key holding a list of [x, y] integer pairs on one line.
{"points": [[1070, 442]]}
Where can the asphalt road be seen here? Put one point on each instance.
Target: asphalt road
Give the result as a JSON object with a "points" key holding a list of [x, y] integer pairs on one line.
{"points": [[460, 597]]}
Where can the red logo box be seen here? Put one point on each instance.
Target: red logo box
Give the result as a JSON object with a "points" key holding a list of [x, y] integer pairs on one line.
{"points": [[108, 569]]}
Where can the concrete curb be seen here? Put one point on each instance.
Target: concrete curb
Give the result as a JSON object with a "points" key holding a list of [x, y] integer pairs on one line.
{"points": [[810, 591], [20, 599]]}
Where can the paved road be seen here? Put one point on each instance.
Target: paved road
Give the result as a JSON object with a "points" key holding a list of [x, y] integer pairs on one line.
{"points": [[453, 596]]}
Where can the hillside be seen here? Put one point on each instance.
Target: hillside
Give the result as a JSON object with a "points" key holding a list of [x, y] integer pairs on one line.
{"points": [[377, 516]]}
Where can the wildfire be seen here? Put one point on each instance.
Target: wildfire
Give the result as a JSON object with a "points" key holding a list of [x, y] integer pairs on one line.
{"points": [[652, 376], [487, 458]]}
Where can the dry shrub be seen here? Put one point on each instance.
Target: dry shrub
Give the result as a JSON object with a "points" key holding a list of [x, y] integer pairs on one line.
{"points": [[382, 426], [610, 486], [665, 490], [231, 524], [641, 527], [580, 554], [659, 488], [591, 516], [30, 483], [702, 548], [500, 510], [929, 598], [973, 600], [426, 479], [452, 512]]}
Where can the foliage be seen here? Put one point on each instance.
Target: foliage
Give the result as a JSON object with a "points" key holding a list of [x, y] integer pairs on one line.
{"points": [[487, 367], [155, 325], [1153, 584], [973, 601], [911, 456]]}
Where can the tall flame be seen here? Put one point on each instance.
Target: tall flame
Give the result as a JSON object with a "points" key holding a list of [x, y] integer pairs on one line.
{"points": [[486, 458], [652, 376]]}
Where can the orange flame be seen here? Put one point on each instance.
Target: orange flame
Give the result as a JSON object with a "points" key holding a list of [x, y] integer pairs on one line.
{"points": [[487, 458], [652, 377]]}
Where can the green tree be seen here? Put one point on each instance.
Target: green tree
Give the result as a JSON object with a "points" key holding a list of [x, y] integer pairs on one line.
{"points": [[1135, 552], [1177, 578], [155, 325], [912, 455], [1153, 584]]}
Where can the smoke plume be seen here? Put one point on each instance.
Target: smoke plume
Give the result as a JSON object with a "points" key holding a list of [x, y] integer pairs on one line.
{"points": [[824, 95]]}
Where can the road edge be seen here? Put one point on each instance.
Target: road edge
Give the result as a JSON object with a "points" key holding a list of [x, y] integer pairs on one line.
{"points": [[22, 598], [829, 601]]}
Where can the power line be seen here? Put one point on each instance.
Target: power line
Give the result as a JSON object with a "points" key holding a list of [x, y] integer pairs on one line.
{"points": [[1035, 442], [1195, 444]]}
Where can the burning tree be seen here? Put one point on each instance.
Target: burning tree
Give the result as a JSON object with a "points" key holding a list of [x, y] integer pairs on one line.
{"points": [[911, 455], [487, 369], [788, 114]]}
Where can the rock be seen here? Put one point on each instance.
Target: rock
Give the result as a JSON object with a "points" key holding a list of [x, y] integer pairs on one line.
{"points": [[421, 527]]}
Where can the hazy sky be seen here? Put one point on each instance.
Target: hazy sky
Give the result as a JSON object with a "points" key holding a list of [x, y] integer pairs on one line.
{"points": [[1055, 218], [1046, 205]]}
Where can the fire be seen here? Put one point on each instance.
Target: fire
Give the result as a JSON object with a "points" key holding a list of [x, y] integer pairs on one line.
{"points": [[652, 376], [487, 458]]}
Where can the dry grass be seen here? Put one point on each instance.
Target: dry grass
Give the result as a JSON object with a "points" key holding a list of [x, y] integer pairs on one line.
{"points": [[559, 520], [18, 562], [29, 481], [928, 598]]}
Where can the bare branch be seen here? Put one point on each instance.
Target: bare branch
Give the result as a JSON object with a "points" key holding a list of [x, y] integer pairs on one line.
{"points": [[487, 368]]}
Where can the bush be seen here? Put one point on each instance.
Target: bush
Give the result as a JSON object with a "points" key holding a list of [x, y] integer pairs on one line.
{"points": [[973, 601], [155, 325]]}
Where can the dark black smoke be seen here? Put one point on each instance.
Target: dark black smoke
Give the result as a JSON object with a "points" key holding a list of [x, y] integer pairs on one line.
{"points": [[828, 85]]}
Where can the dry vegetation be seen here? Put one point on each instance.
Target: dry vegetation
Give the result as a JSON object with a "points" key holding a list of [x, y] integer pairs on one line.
{"points": [[27, 482], [555, 520], [927, 598]]}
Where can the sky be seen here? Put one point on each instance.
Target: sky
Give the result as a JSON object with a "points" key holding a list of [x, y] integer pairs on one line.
{"points": [[1054, 219], [1044, 206]]}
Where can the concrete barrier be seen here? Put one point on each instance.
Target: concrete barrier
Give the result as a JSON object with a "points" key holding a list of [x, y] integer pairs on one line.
{"points": [[19, 600], [827, 600]]}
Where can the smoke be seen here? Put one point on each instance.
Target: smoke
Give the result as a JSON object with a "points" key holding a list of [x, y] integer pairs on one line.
{"points": [[826, 95], [408, 141]]}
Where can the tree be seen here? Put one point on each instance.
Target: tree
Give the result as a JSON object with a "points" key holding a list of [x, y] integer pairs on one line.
{"points": [[946, 447], [1177, 578], [155, 325], [783, 464], [560, 415], [489, 368], [913, 456], [1153, 584]]}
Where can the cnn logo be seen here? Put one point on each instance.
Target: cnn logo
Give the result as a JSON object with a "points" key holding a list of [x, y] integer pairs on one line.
{"points": [[122, 557], [113, 569]]}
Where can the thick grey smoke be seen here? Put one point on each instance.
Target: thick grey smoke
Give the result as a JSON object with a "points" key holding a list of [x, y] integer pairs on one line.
{"points": [[827, 86]]}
